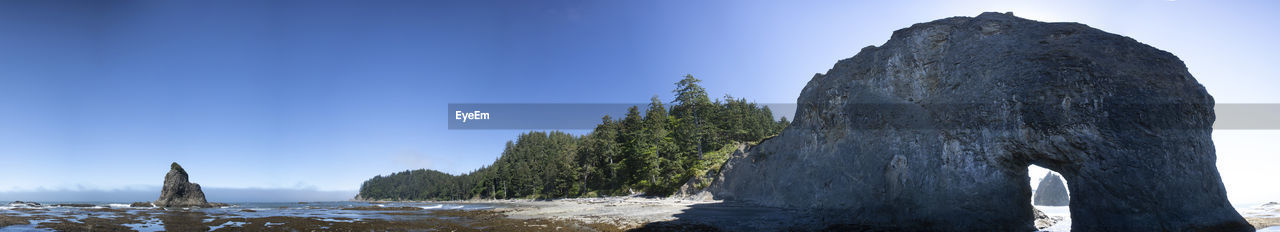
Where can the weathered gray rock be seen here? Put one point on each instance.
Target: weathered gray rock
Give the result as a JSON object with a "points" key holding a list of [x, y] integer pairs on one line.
{"points": [[934, 130], [142, 204], [23, 203], [178, 191], [1051, 192], [1044, 220]]}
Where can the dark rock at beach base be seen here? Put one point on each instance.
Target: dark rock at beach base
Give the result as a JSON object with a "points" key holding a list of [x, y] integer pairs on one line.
{"points": [[935, 129], [142, 204], [178, 191], [24, 203], [1051, 192]]}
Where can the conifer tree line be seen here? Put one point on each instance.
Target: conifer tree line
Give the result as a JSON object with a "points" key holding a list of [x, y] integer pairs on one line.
{"points": [[653, 151]]}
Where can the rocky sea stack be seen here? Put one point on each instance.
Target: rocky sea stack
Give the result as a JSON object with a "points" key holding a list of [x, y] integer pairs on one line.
{"points": [[1051, 191], [178, 191], [935, 129]]}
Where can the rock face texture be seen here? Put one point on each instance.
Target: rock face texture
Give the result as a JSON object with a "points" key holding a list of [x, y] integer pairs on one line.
{"points": [[934, 130], [178, 191], [1051, 192]]}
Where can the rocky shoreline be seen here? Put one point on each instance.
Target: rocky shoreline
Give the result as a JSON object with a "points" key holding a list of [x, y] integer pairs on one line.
{"points": [[630, 213], [635, 213], [108, 218]]}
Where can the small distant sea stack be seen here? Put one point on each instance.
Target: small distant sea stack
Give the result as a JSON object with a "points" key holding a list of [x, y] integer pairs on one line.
{"points": [[1051, 191], [178, 191]]}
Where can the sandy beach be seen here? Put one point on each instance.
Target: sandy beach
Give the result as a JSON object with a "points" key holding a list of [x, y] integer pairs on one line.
{"points": [[665, 214], [626, 213]]}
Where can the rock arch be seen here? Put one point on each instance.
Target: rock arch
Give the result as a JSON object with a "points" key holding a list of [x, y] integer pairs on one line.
{"points": [[934, 130]]}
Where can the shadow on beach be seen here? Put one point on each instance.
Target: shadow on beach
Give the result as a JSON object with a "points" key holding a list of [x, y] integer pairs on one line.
{"points": [[733, 216]]}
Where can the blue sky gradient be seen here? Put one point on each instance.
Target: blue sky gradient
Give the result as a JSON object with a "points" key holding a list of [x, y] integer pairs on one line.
{"points": [[321, 95]]}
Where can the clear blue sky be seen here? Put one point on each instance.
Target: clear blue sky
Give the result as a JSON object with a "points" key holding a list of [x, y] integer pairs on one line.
{"points": [[321, 95]]}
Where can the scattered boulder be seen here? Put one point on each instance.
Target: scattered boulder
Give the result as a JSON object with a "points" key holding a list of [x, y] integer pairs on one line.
{"points": [[142, 204], [1264, 222], [23, 203], [1051, 191], [935, 129], [1263, 216], [1267, 205], [1044, 220], [178, 191]]}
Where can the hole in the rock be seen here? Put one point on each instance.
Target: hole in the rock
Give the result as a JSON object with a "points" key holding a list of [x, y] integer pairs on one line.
{"points": [[1049, 195]]}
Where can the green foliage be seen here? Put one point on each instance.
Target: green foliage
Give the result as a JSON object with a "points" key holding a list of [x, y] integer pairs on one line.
{"points": [[599, 157], [536, 165], [418, 185], [654, 151], [709, 166]]}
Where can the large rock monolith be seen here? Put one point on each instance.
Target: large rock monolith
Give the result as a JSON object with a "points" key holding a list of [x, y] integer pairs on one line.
{"points": [[1051, 191], [935, 129], [178, 191]]}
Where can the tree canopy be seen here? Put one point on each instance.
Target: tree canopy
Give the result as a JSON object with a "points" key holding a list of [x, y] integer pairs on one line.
{"points": [[654, 151]]}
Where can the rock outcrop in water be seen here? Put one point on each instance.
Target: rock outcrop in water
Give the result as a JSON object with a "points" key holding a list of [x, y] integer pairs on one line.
{"points": [[178, 191], [935, 129], [1051, 191]]}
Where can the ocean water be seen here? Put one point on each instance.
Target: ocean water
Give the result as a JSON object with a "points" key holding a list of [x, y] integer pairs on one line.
{"points": [[154, 219]]}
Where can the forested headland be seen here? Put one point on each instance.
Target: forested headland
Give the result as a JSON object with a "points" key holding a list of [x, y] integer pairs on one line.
{"points": [[654, 151]]}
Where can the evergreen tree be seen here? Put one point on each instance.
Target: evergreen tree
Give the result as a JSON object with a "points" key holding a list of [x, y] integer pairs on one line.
{"points": [[658, 141], [655, 152], [597, 157], [782, 124], [691, 107], [633, 146]]}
